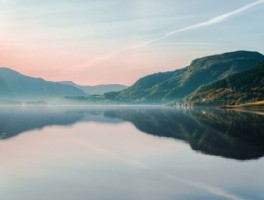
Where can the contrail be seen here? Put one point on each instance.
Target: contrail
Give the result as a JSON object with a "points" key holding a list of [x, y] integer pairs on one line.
{"points": [[212, 21], [209, 22]]}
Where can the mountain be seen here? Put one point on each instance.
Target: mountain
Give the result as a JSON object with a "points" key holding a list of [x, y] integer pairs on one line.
{"points": [[97, 89], [247, 86], [15, 85], [175, 85]]}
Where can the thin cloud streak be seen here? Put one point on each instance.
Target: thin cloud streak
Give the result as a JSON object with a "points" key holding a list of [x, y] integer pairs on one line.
{"points": [[187, 43], [210, 22]]}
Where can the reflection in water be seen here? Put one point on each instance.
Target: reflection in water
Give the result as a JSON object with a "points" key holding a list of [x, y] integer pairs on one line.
{"points": [[100, 153], [225, 133]]}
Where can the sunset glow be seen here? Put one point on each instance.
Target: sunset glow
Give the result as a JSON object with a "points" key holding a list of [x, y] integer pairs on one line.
{"points": [[99, 42]]}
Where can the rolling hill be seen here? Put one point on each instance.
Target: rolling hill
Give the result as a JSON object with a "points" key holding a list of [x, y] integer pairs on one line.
{"points": [[231, 76], [14, 85], [247, 86], [179, 84]]}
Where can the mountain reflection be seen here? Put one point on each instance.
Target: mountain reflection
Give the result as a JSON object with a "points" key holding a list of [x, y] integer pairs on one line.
{"points": [[224, 133], [230, 134]]}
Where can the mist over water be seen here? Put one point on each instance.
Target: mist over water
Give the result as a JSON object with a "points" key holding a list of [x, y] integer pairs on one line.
{"points": [[129, 152]]}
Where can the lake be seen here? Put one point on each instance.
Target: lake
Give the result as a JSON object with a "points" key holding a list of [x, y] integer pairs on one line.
{"points": [[130, 153]]}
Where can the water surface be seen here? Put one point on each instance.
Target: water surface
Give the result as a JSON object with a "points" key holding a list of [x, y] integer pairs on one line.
{"points": [[130, 153]]}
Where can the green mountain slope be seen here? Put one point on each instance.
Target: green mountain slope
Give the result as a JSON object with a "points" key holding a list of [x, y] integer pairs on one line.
{"points": [[16, 85], [178, 84], [247, 86]]}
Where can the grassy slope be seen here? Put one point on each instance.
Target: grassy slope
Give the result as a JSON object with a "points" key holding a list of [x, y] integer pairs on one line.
{"points": [[241, 88], [178, 84]]}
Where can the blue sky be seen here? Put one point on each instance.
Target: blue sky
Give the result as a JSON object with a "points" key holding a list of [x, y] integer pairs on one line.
{"points": [[118, 41]]}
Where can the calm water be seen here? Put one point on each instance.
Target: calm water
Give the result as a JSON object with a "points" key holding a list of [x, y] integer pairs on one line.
{"points": [[130, 153]]}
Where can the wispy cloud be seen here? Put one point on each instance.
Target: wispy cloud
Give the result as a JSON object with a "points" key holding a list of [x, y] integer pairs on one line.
{"points": [[210, 22], [187, 43]]}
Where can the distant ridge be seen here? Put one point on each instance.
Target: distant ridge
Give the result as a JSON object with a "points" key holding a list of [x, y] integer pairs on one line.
{"points": [[97, 89], [16, 85]]}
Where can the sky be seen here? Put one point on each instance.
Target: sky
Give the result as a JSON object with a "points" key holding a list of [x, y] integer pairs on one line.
{"points": [[118, 41]]}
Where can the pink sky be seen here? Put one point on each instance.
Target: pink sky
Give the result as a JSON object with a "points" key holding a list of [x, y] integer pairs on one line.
{"points": [[62, 62], [100, 42]]}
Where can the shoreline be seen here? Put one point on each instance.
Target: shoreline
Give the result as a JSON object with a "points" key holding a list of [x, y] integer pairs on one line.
{"points": [[253, 106]]}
